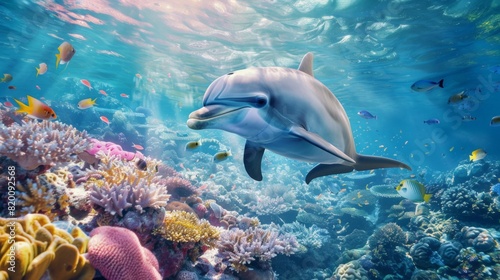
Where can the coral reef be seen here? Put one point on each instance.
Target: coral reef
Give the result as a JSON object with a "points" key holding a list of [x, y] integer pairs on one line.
{"points": [[253, 247], [41, 249], [123, 186], [181, 226], [310, 237], [117, 253], [44, 195], [350, 271], [33, 143]]}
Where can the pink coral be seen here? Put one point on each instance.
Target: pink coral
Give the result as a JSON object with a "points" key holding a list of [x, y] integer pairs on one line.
{"points": [[108, 148], [117, 253]]}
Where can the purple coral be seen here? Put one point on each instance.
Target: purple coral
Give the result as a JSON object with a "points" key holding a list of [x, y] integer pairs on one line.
{"points": [[240, 248], [115, 198], [32, 143]]}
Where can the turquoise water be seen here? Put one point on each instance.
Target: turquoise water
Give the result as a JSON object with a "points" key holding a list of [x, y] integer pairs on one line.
{"points": [[368, 53]]}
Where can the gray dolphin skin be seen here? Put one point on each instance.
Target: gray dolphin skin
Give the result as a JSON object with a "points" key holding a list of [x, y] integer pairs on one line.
{"points": [[286, 111]]}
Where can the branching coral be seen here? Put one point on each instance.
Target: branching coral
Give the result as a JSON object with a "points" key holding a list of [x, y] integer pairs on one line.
{"points": [[40, 247], [41, 143], [310, 237], [239, 248], [270, 206], [123, 186], [181, 226], [46, 195]]}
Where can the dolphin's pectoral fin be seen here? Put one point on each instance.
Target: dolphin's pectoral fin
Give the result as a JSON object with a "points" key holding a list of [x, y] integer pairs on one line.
{"points": [[373, 162], [327, 169], [252, 158], [319, 142]]}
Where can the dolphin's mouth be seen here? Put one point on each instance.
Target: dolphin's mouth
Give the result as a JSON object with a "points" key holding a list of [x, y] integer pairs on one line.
{"points": [[200, 118]]}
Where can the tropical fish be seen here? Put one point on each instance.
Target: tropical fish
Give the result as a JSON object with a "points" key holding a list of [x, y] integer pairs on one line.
{"points": [[66, 52], [86, 103], [299, 119], [217, 209], [36, 109], [6, 78], [432, 121], [103, 92], [86, 83], [495, 121], [413, 190], [468, 118], [124, 95], [104, 119], [193, 145], [38, 87], [12, 87], [366, 115], [477, 155], [137, 147], [220, 156], [452, 148], [457, 98], [8, 104], [141, 164], [41, 69], [426, 85]]}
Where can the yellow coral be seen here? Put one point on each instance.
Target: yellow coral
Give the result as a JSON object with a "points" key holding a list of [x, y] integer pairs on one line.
{"points": [[181, 226], [35, 198], [39, 247]]}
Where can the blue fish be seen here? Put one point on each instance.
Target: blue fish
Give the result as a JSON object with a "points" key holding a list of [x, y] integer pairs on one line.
{"points": [[426, 85], [432, 121], [366, 115]]}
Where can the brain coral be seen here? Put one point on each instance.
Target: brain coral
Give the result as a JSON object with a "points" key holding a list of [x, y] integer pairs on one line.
{"points": [[33, 143], [117, 253], [40, 246], [350, 271]]}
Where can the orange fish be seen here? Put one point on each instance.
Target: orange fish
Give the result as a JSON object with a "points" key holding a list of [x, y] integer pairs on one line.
{"points": [[66, 52], [86, 83], [8, 104], [103, 92], [36, 109], [138, 76], [124, 95], [42, 69], [137, 147], [104, 119]]}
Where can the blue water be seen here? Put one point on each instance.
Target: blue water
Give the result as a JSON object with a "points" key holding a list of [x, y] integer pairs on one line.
{"points": [[368, 53]]}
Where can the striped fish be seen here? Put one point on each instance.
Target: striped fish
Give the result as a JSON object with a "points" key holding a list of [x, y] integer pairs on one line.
{"points": [[413, 190]]}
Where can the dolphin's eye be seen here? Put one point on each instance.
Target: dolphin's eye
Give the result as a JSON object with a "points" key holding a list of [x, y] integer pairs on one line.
{"points": [[260, 102], [230, 73]]}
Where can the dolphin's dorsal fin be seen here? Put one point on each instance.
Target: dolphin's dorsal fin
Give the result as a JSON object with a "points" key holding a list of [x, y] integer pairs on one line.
{"points": [[306, 65]]}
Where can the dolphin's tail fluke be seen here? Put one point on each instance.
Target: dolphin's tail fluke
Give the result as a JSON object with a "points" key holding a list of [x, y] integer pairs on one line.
{"points": [[362, 163]]}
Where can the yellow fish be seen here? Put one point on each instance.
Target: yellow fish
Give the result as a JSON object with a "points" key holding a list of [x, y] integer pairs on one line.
{"points": [[413, 190], [193, 145], [6, 78], [36, 109], [477, 155], [86, 103], [220, 156]]}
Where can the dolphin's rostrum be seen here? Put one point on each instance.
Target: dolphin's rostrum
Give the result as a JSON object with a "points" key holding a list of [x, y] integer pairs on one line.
{"points": [[286, 111]]}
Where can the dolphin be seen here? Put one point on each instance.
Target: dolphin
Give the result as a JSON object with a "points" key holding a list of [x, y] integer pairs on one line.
{"points": [[286, 111]]}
